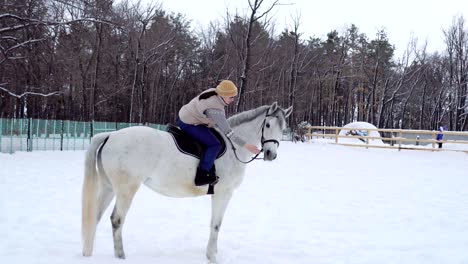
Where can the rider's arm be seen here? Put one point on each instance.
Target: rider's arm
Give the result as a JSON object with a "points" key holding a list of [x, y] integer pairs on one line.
{"points": [[219, 118]]}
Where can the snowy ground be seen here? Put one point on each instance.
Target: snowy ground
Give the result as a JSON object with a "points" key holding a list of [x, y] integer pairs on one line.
{"points": [[316, 203]]}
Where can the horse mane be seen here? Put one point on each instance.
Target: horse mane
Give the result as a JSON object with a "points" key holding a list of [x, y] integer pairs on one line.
{"points": [[247, 116]]}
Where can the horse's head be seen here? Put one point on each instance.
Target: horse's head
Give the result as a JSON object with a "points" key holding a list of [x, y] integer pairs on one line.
{"points": [[272, 130]]}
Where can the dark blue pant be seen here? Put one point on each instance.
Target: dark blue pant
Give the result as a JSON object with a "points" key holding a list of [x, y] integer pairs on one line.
{"points": [[203, 135]]}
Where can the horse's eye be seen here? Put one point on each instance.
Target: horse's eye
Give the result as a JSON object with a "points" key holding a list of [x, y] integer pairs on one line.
{"points": [[268, 125]]}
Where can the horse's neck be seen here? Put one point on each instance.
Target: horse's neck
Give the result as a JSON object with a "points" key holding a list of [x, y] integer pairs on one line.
{"points": [[250, 132]]}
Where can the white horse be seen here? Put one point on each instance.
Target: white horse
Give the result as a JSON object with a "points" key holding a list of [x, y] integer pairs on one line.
{"points": [[117, 163]]}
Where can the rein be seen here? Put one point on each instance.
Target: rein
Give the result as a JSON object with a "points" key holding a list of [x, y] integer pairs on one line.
{"points": [[262, 140]]}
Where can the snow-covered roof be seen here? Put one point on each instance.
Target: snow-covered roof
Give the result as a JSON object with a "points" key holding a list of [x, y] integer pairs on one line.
{"points": [[359, 129]]}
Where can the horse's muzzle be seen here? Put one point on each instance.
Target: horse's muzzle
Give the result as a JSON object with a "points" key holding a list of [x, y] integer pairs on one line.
{"points": [[269, 155]]}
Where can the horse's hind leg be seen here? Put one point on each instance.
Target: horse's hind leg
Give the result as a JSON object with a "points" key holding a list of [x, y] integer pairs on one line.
{"points": [[122, 204], [105, 197]]}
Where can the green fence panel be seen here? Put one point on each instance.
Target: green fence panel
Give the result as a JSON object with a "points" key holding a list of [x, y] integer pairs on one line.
{"points": [[43, 134]]}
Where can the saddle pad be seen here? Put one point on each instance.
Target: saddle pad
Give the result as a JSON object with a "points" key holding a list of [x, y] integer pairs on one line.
{"points": [[187, 145]]}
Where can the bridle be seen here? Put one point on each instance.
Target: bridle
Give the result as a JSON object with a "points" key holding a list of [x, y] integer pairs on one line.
{"points": [[262, 140]]}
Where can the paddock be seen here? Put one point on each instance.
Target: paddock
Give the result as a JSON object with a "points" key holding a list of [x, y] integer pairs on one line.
{"points": [[317, 203]]}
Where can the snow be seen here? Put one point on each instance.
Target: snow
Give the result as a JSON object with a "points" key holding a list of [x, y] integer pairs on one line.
{"points": [[314, 204]]}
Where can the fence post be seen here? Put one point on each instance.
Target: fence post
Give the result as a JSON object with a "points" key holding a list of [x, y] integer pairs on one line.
{"points": [[54, 135], [392, 142], [68, 134], [400, 135], [37, 135], [367, 138], [61, 135], [336, 135], [11, 135], [46, 137], [20, 133], [84, 134], [433, 140], [29, 138], [91, 130], [74, 136]]}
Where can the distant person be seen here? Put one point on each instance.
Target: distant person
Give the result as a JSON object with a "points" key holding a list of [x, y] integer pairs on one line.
{"points": [[440, 136]]}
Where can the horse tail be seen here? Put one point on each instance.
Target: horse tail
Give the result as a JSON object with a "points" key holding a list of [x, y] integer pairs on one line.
{"points": [[90, 193]]}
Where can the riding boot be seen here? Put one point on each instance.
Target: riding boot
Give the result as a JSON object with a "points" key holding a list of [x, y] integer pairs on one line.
{"points": [[213, 174], [205, 177]]}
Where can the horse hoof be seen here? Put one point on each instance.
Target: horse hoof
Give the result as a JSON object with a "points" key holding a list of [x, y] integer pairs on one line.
{"points": [[87, 252], [211, 259]]}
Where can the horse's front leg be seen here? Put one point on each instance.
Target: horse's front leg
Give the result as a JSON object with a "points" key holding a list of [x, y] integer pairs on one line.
{"points": [[219, 202]]}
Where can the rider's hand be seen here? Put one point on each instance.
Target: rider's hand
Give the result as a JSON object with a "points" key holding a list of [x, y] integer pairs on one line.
{"points": [[252, 148]]}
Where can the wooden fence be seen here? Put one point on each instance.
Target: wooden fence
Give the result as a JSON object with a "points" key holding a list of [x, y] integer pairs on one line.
{"points": [[396, 140]]}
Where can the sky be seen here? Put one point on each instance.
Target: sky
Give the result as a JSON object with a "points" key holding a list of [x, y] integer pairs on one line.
{"points": [[316, 203], [424, 19]]}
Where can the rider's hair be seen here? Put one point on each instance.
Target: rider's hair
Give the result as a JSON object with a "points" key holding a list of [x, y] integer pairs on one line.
{"points": [[206, 95]]}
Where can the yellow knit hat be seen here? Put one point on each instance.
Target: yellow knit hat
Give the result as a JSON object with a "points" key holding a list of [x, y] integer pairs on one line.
{"points": [[226, 88]]}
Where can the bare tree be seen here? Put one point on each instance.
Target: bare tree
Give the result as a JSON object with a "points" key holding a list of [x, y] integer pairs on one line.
{"points": [[144, 17], [255, 16], [294, 68], [457, 49]]}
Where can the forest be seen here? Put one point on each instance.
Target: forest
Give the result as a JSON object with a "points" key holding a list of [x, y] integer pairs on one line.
{"points": [[128, 61]]}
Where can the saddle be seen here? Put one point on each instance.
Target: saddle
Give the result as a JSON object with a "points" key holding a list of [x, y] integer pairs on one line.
{"points": [[187, 145]]}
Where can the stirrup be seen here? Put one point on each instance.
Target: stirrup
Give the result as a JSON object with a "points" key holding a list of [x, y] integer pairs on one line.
{"points": [[211, 186], [215, 181]]}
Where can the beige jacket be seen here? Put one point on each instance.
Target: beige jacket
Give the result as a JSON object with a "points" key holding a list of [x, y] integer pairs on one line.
{"points": [[193, 113]]}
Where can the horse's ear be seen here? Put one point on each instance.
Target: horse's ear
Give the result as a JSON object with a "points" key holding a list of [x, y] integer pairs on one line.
{"points": [[288, 112], [273, 108]]}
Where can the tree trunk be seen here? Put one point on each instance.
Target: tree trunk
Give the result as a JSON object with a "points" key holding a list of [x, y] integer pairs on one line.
{"points": [[97, 70]]}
